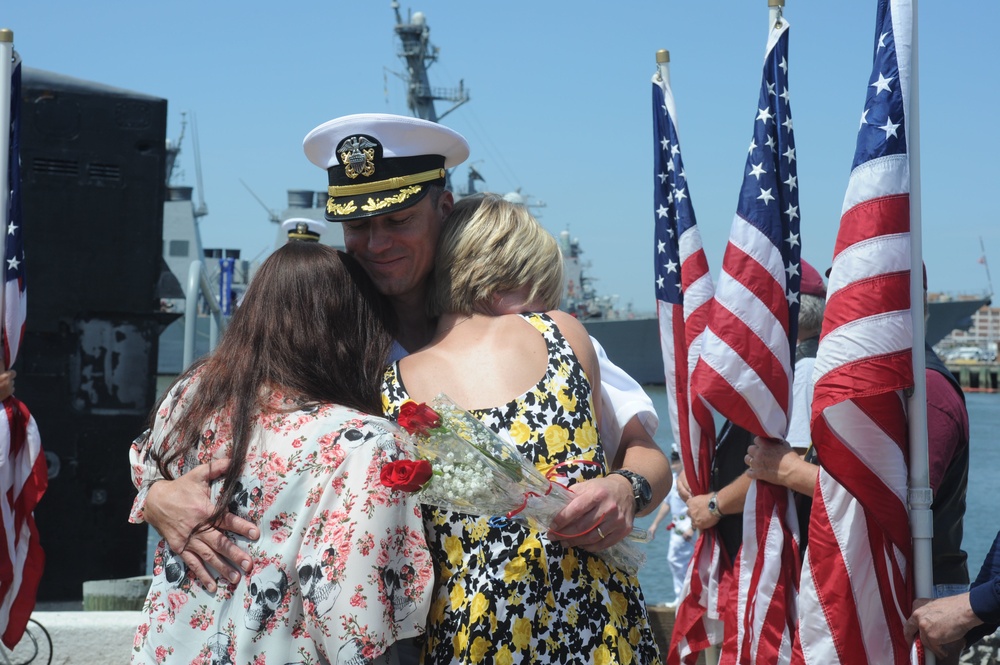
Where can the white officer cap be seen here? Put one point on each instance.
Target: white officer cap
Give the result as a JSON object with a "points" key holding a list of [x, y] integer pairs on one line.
{"points": [[302, 228], [379, 163]]}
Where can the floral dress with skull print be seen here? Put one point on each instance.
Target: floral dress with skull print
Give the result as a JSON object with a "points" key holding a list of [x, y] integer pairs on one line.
{"points": [[341, 570], [505, 593]]}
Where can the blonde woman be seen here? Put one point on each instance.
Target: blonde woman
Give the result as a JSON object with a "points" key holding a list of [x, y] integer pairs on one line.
{"points": [[505, 592]]}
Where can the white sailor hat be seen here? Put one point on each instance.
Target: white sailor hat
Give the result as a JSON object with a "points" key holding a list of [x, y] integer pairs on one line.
{"points": [[379, 163], [304, 229]]}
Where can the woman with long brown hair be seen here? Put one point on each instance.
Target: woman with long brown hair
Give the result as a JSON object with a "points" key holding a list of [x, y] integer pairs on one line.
{"points": [[341, 568]]}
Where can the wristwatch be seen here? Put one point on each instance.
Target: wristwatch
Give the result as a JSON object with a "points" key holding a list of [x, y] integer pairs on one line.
{"points": [[641, 491], [713, 505]]}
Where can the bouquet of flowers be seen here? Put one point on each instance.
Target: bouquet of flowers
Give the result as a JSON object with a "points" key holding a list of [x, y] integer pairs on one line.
{"points": [[462, 465]]}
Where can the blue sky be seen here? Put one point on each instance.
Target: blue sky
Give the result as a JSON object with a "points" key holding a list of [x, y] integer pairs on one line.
{"points": [[560, 106]]}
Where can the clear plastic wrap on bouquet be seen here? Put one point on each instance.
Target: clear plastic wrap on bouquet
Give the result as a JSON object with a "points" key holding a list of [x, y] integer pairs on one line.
{"points": [[475, 471]]}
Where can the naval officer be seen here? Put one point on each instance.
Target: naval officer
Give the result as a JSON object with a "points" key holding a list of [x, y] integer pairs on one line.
{"points": [[388, 187]]}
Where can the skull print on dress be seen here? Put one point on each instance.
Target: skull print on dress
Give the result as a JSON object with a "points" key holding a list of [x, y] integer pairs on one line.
{"points": [[316, 587], [246, 499], [396, 586], [218, 646], [174, 569], [267, 592], [352, 653]]}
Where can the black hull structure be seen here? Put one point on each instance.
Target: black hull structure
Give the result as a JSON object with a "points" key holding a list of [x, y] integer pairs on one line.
{"points": [[634, 344]]}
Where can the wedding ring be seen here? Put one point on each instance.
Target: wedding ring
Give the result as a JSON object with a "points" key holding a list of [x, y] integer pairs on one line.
{"points": [[600, 533]]}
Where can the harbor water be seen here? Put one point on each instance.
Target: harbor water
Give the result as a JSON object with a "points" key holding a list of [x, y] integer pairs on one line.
{"points": [[982, 521]]}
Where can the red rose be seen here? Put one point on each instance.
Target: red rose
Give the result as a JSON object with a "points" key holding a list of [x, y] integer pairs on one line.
{"points": [[406, 475], [418, 418]]}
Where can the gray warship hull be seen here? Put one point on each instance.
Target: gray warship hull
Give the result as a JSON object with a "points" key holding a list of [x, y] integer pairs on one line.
{"points": [[634, 344]]}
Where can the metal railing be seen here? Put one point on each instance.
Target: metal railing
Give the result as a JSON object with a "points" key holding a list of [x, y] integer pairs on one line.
{"points": [[198, 283]]}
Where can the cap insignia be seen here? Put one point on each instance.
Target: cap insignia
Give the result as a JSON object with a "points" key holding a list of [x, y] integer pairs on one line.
{"points": [[357, 154]]}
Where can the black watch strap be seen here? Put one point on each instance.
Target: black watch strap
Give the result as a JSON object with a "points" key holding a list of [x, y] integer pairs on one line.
{"points": [[641, 490]]}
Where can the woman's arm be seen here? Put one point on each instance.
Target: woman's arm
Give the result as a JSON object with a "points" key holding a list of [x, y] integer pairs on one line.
{"points": [[603, 509]]}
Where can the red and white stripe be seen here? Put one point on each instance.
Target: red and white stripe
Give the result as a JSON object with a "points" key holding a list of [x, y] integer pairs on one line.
{"points": [[856, 593], [745, 373], [23, 479], [23, 471], [698, 619], [856, 586], [745, 368], [697, 622]]}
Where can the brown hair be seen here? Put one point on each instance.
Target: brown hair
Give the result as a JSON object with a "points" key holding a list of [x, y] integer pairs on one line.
{"points": [[311, 323]]}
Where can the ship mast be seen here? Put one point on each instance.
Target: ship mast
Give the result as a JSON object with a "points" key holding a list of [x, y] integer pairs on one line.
{"points": [[989, 280], [419, 54], [173, 150]]}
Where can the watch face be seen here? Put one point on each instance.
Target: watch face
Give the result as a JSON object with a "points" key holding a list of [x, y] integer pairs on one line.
{"points": [[645, 492], [641, 491]]}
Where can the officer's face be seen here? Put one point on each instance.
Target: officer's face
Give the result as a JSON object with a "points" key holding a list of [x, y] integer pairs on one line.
{"points": [[397, 250]]}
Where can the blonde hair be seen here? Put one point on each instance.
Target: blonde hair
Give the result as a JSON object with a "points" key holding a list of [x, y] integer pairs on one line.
{"points": [[489, 246]]}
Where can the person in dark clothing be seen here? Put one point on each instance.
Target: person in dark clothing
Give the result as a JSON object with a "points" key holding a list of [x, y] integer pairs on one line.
{"points": [[948, 456], [731, 475]]}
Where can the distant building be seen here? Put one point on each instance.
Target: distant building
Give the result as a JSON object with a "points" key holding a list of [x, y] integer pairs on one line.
{"points": [[984, 333]]}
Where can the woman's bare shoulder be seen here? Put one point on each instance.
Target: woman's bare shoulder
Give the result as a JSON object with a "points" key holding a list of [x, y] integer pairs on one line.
{"points": [[569, 325], [576, 335]]}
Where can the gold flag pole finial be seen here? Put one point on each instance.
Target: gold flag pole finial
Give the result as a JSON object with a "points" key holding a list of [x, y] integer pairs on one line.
{"points": [[6, 36], [663, 66]]}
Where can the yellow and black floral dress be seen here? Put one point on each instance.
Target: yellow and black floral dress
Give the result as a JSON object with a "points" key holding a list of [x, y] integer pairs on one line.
{"points": [[504, 592]]}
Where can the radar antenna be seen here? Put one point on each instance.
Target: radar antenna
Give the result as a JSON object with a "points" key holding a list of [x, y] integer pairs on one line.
{"points": [[271, 215], [419, 54]]}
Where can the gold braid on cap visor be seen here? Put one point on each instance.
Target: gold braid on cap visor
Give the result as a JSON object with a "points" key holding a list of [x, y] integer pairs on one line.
{"points": [[304, 236], [407, 186], [381, 185]]}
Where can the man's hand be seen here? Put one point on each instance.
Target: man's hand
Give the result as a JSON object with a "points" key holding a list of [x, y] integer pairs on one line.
{"points": [[774, 461], [176, 507], [942, 623], [599, 516], [683, 488], [7, 384], [769, 459], [701, 517]]}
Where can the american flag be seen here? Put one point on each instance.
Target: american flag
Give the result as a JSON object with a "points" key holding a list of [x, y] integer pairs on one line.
{"points": [[745, 368], [853, 608], [23, 473], [683, 291]]}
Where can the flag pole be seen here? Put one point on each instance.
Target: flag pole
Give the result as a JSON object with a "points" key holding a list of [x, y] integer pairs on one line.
{"points": [[773, 13], [989, 280], [663, 67], [920, 495], [6, 70]]}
